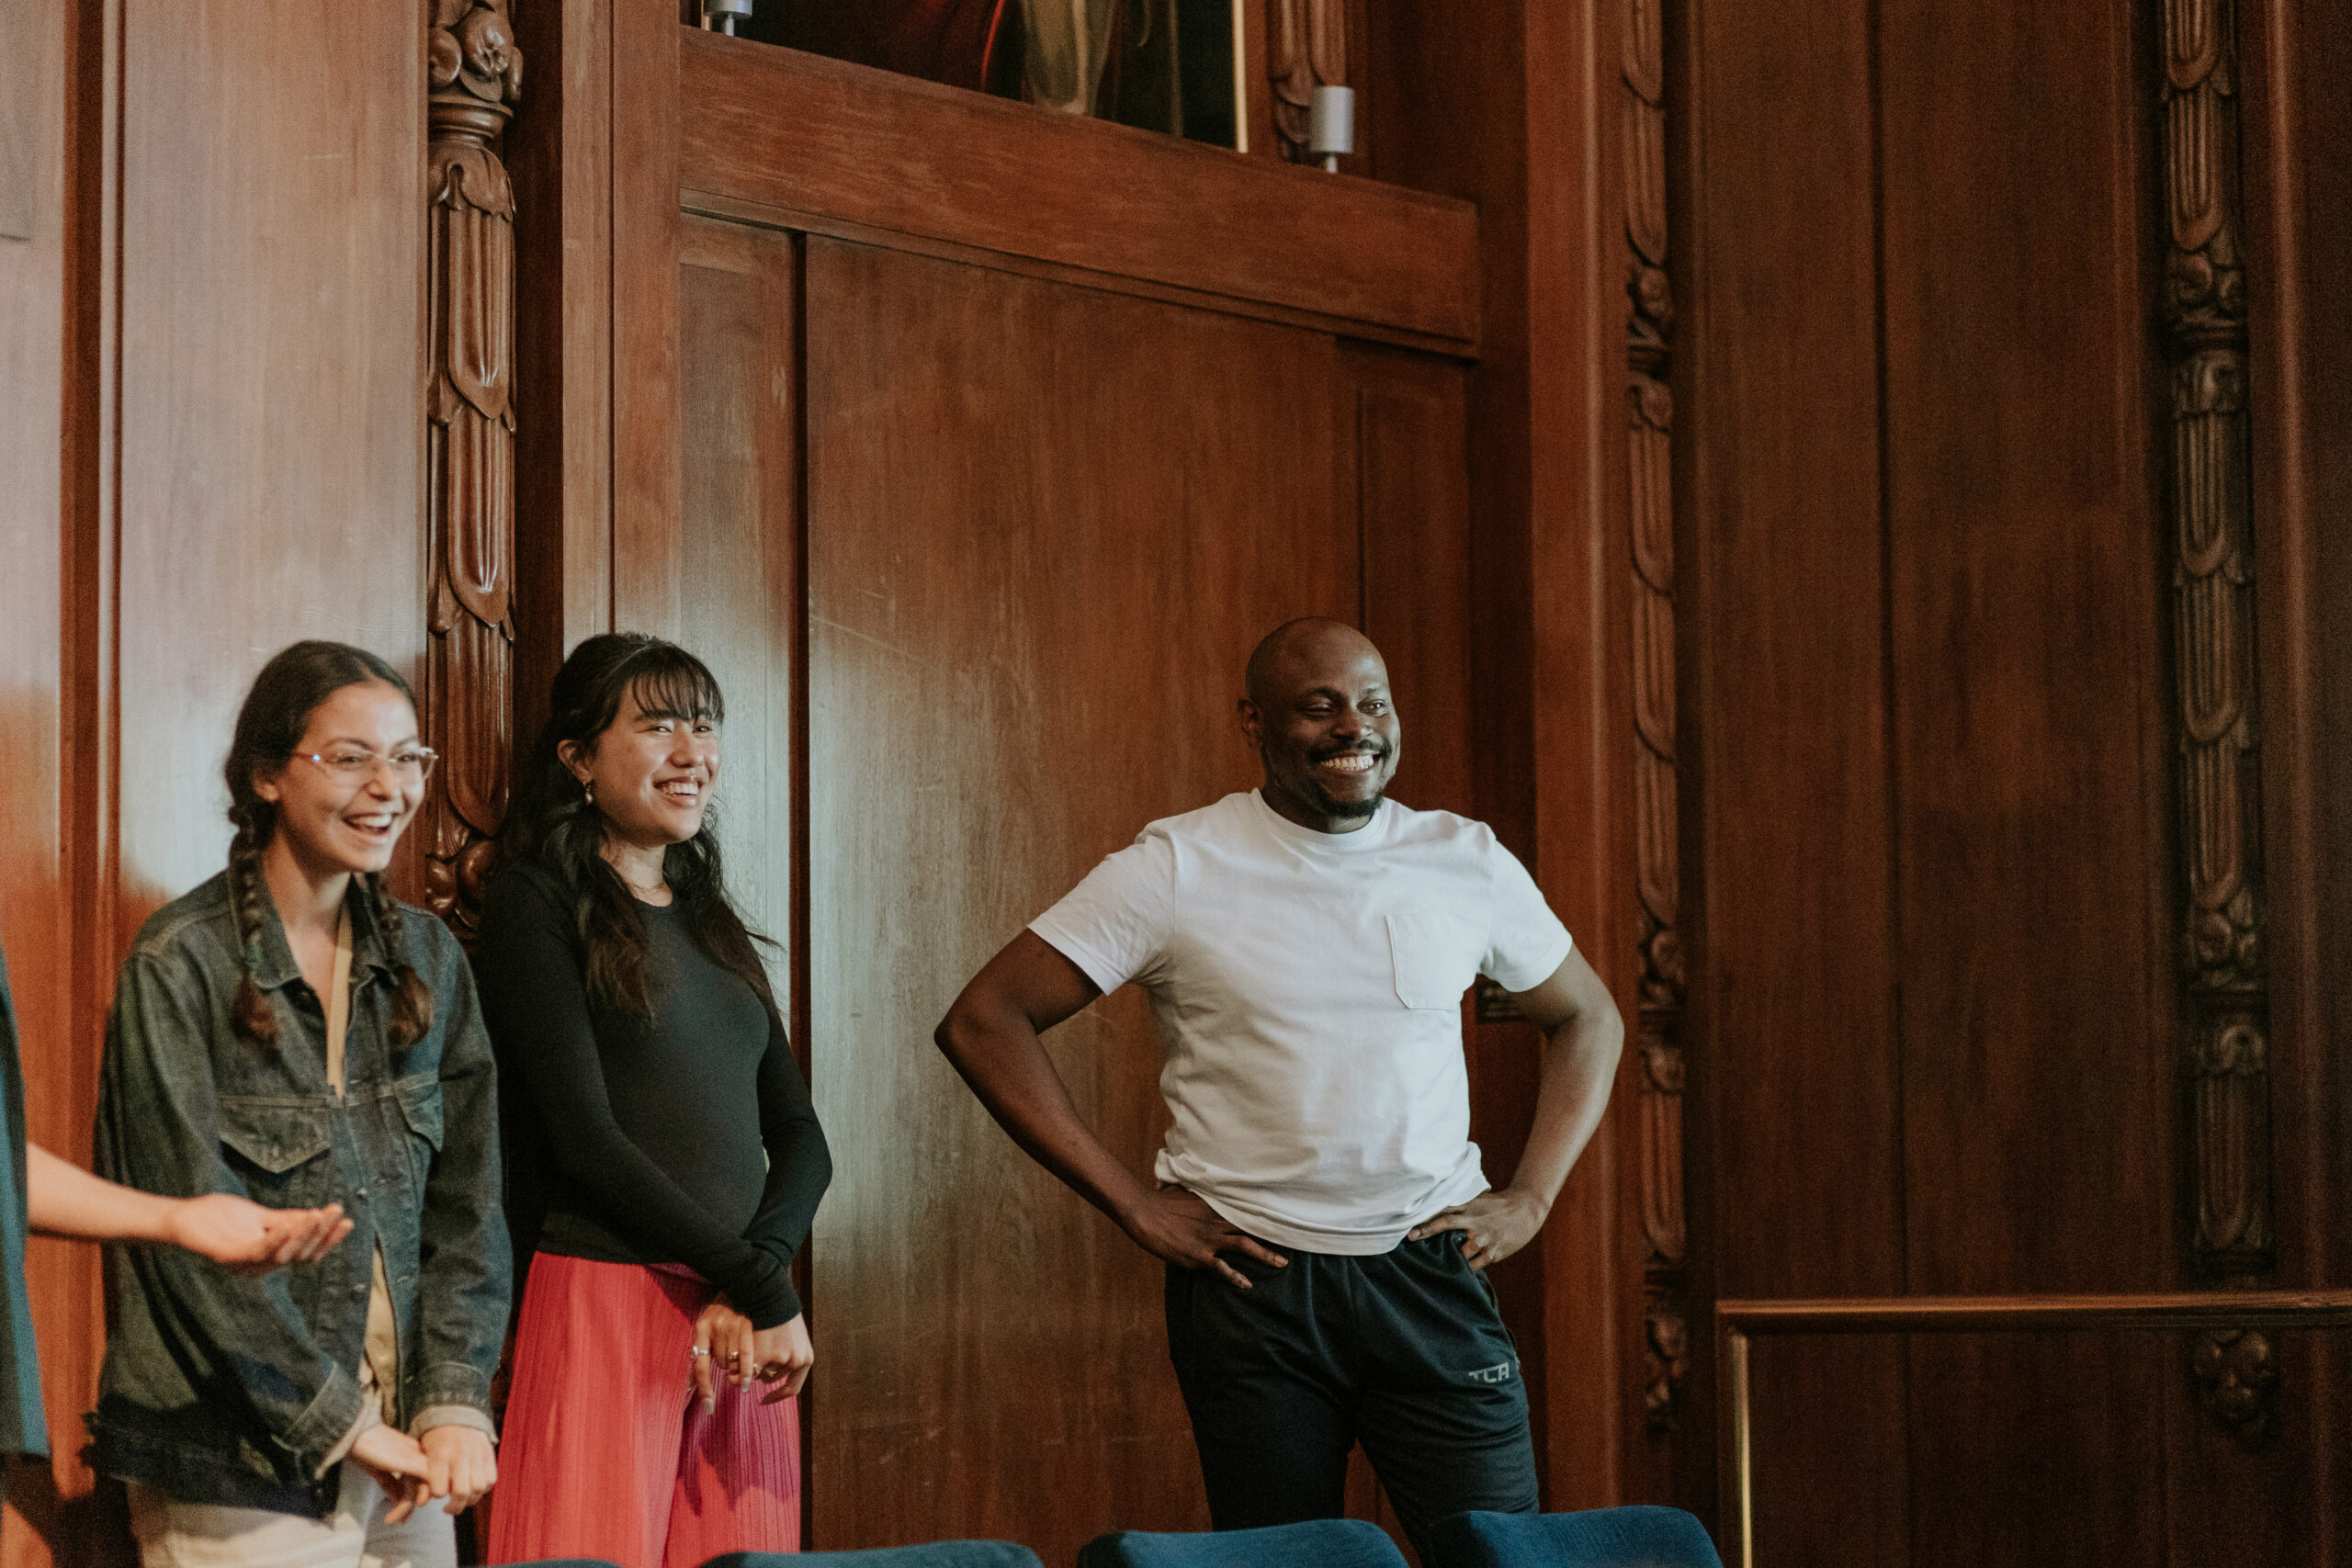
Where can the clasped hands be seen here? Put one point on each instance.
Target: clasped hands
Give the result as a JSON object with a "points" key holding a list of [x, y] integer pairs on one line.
{"points": [[726, 1346], [455, 1464]]}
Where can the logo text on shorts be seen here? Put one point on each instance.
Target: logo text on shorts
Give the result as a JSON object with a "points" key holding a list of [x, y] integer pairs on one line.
{"points": [[1492, 1374]]}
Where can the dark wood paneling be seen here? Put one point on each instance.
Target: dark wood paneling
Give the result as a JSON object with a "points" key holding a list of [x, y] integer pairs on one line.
{"points": [[2297, 121], [211, 382], [2029, 755], [740, 537], [647, 472], [270, 384], [1985, 603], [1045, 527], [2028, 726], [1782, 562], [1119, 203]]}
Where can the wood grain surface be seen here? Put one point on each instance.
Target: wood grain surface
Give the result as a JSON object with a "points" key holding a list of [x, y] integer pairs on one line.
{"points": [[739, 571], [1931, 654], [2299, 199], [211, 384], [1783, 553], [1120, 203], [1045, 527]]}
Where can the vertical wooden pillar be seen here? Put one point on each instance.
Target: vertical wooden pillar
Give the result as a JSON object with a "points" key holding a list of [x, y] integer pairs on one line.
{"points": [[474, 73]]}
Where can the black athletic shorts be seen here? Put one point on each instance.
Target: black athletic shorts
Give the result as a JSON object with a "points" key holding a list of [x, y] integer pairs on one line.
{"points": [[1403, 1351]]}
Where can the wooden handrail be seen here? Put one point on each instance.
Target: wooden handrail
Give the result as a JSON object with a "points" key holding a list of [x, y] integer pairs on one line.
{"points": [[1738, 1321], [2008, 1315]]}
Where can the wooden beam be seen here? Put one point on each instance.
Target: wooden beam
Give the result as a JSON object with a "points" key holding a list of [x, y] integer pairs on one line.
{"points": [[996, 177]]}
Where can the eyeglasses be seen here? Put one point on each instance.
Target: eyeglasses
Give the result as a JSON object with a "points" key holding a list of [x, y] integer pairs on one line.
{"points": [[410, 765]]}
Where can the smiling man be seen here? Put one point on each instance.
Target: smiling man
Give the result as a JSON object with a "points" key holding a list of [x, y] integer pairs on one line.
{"points": [[1322, 1212]]}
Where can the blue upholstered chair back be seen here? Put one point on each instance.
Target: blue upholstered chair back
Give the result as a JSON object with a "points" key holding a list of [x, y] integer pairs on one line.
{"points": [[1603, 1538], [935, 1554], [1316, 1543]]}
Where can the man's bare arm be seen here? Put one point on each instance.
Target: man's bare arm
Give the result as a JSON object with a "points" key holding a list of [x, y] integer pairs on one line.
{"points": [[991, 1034], [1583, 1036]]}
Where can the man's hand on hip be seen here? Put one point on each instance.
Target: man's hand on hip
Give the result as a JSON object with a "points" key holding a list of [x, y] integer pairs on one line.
{"points": [[1176, 1224], [1493, 1225]]}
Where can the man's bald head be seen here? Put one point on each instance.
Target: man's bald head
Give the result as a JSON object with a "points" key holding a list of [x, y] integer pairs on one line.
{"points": [[1315, 640], [1321, 717]]}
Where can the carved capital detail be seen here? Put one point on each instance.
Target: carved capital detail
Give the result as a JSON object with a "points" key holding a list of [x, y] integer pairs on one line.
{"points": [[474, 76], [1307, 48]]}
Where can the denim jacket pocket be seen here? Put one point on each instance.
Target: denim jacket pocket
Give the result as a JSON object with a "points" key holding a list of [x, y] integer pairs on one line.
{"points": [[281, 1143], [421, 1108]]}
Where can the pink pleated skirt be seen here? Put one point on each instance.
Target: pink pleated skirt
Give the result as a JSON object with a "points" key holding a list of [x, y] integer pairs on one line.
{"points": [[605, 1451]]}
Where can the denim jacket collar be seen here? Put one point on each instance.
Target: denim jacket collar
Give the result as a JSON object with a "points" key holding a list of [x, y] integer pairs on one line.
{"points": [[274, 965]]}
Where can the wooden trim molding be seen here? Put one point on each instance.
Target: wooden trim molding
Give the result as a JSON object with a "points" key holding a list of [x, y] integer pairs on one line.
{"points": [[1649, 327], [474, 74], [2226, 970], [2028, 1314], [1000, 178]]}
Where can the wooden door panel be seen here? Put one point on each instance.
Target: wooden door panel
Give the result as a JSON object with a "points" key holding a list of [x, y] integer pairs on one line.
{"points": [[1045, 525], [738, 551], [1791, 1021], [2026, 645]]}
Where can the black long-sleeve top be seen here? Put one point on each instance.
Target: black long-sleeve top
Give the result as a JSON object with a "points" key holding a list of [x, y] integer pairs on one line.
{"points": [[687, 1137]]}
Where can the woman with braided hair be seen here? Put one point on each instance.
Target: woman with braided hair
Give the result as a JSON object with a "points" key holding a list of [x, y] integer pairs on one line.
{"points": [[666, 1159], [291, 1032]]}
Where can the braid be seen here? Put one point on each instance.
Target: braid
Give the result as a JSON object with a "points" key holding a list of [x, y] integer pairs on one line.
{"points": [[250, 1012], [412, 998]]}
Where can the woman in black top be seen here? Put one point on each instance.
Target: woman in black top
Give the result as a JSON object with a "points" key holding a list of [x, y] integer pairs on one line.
{"points": [[664, 1160]]}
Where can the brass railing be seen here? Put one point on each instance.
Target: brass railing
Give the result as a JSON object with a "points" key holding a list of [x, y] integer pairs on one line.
{"points": [[1736, 1322]]}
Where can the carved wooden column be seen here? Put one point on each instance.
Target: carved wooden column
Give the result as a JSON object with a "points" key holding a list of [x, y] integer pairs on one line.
{"points": [[2227, 1010], [1649, 327], [1307, 48], [475, 74]]}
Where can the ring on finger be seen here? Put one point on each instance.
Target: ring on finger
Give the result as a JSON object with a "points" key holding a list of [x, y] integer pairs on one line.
{"points": [[696, 1350]]}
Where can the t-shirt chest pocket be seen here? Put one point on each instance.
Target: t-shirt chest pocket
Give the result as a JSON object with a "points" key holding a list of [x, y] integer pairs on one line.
{"points": [[1433, 957]]}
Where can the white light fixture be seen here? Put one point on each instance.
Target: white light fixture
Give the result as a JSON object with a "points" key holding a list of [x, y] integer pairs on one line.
{"points": [[1331, 126]]}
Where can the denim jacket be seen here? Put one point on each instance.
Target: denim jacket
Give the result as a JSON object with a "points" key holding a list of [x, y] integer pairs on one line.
{"points": [[223, 1388]]}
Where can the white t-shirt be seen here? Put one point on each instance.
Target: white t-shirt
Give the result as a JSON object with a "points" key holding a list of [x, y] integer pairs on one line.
{"points": [[1308, 988]]}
